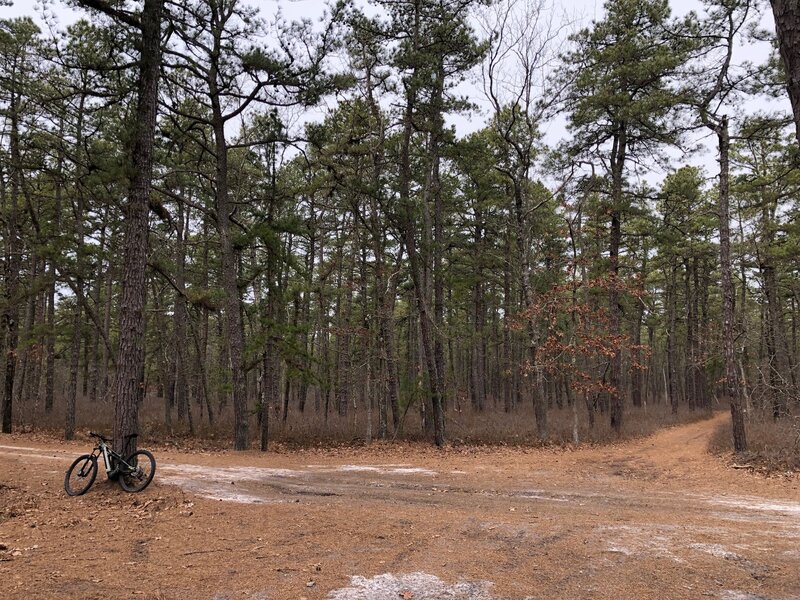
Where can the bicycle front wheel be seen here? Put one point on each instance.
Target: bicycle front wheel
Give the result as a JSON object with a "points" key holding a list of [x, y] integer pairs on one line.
{"points": [[80, 475], [142, 469]]}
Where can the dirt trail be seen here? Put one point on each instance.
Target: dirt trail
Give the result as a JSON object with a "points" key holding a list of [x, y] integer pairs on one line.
{"points": [[653, 517]]}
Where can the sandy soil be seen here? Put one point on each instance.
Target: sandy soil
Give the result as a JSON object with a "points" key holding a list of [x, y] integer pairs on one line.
{"points": [[657, 517]]}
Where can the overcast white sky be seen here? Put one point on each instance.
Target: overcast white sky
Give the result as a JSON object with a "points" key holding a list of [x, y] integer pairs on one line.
{"points": [[581, 12], [295, 9]]}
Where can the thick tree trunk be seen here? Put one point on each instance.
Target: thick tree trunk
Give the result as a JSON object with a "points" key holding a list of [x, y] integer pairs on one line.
{"points": [[13, 264], [787, 26], [128, 379]]}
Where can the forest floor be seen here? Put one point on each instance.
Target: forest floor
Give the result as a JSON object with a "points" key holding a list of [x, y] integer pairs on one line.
{"points": [[656, 517]]}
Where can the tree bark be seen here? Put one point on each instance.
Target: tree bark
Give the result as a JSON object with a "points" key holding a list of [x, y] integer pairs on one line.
{"points": [[128, 381], [417, 274], [732, 389], [13, 264], [478, 367], [50, 352], [672, 347], [234, 326], [619, 154], [787, 26]]}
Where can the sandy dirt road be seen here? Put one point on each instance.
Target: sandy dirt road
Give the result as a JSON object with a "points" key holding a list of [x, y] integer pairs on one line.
{"points": [[657, 517]]}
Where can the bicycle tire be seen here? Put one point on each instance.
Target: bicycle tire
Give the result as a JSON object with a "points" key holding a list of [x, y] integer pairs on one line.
{"points": [[85, 478], [145, 468]]}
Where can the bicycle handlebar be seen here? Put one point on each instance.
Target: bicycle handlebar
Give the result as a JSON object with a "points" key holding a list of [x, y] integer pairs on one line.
{"points": [[105, 439]]}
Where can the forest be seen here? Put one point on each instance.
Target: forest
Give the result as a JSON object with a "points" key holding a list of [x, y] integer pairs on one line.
{"points": [[448, 220]]}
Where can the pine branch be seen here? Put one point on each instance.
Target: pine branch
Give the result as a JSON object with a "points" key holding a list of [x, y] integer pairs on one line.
{"points": [[120, 15]]}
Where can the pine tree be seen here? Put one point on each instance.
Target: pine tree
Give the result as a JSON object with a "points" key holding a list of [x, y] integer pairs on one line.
{"points": [[622, 104]]}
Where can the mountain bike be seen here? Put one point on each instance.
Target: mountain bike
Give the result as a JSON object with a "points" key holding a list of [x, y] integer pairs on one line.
{"points": [[134, 473]]}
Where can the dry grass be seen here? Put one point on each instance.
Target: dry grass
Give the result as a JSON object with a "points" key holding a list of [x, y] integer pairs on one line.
{"points": [[772, 445], [490, 427], [520, 427]]}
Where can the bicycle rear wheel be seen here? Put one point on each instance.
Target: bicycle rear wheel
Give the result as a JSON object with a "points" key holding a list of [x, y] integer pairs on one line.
{"points": [[80, 475], [143, 468]]}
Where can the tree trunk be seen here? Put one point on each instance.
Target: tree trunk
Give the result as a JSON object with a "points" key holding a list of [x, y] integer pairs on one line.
{"points": [[732, 390], [13, 265], [435, 192], [701, 311], [787, 26], [23, 384], [478, 370], [180, 316], [637, 370], [619, 153], [94, 370], [417, 273], [106, 358], [50, 352], [74, 354], [128, 380], [234, 327]]}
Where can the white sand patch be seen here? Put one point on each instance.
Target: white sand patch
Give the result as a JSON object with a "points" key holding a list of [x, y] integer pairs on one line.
{"points": [[541, 495], [419, 586], [238, 498], [753, 504], [740, 595], [639, 541], [231, 473], [219, 483], [786, 508], [716, 550], [385, 469], [214, 490]]}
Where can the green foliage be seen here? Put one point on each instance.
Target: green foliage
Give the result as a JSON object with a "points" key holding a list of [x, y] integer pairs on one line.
{"points": [[318, 211], [623, 72]]}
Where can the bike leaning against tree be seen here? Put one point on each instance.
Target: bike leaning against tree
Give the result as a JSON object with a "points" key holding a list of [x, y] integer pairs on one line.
{"points": [[134, 473]]}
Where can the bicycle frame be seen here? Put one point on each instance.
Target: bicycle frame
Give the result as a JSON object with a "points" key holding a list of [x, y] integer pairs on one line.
{"points": [[111, 459]]}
